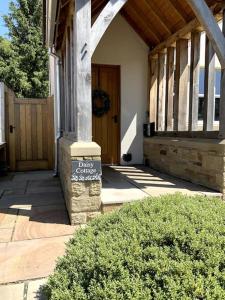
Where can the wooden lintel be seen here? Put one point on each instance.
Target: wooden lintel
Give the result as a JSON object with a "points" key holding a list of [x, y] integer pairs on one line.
{"points": [[206, 18], [104, 20]]}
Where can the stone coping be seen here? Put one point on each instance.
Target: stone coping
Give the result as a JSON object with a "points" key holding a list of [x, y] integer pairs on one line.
{"points": [[208, 144], [80, 149]]}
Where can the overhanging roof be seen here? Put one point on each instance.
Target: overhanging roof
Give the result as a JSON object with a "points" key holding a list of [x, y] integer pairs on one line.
{"points": [[154, 20]]}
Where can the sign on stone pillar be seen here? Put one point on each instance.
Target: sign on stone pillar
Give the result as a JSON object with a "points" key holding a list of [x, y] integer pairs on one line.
{"points": [[82, 71], [86, 170]]}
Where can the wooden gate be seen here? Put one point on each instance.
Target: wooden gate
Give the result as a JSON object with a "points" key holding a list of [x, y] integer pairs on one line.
{"points": [[29, 133]]}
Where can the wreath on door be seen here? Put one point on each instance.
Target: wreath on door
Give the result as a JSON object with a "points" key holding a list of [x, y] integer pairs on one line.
{"points": [[100, 103]]}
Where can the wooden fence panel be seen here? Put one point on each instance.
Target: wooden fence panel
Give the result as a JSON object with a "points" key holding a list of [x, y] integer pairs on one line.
{"points": [[30, 133]]}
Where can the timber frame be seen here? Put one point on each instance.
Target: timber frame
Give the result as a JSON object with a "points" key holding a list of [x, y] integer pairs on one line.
{"points": [[174, 111]]}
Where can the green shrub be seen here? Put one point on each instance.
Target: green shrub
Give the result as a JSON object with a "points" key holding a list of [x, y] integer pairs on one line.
{"points": [[171, 247]]}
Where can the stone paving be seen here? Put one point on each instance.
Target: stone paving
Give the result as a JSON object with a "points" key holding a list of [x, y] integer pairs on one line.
{"points": [[120, 183], [34, 228]]}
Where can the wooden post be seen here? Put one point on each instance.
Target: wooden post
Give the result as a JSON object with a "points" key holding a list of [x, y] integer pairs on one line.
{"points": [[169, 88], [209, 98], [72, 111], [161, 92], [153, 72], [206, 18], [66, 82], [82, 67], [181, 86], [194, 81], [222, 94]]}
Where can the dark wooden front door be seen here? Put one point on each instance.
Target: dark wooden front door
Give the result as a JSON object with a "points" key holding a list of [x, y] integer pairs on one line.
{"points": [[106, 129]]}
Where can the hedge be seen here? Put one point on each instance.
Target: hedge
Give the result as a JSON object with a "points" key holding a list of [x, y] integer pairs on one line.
{"points": [[172, 247]]}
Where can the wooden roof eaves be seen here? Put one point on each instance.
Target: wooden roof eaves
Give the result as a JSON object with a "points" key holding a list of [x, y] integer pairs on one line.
{"points": [[184, 31], [183, 16], [137, 29], [160, 19]]}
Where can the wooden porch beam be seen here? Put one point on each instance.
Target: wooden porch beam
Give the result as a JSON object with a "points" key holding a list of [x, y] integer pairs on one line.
{"points": [[153, 74], [194, 80], [161, 96], [181, 86], [206, 18], [104, 20], [170, 68], [222, 94], [82, 71], [209, 93]]}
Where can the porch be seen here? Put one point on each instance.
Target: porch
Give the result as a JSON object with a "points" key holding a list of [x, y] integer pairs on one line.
{"points": [[144, 61]]}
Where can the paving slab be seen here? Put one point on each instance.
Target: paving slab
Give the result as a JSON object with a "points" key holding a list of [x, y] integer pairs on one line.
{"points": [[116, 189], [44, 183], [28, 200], [12, 292], [8, 217], [34, 291], [123, 184], [33, 175], [32, 259], [156, 184], [43, 190], [42, 222], [6, 235]]}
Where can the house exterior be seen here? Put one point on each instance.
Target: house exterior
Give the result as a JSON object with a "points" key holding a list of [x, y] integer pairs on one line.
{"points": [[117, 65]]}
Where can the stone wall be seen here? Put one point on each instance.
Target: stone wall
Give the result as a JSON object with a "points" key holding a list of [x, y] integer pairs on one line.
{"points": [[83, 199], [201, 161]]}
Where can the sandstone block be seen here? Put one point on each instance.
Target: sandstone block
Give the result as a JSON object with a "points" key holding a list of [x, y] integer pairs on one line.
{"points": [[95, 188], [85, 204], [78, 218], [78, 189]]}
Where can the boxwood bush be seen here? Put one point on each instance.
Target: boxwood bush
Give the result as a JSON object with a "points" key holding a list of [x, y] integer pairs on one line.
{"points": [[172, 247]]}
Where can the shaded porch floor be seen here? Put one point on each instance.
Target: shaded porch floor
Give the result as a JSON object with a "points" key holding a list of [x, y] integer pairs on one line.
{"points": [[123, 184]]}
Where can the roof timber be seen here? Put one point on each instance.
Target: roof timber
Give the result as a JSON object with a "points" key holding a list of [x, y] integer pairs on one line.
{"points": [[211, 27], [179, 10], [189, 27], [159, 16], [155, 21], [104, 20]]}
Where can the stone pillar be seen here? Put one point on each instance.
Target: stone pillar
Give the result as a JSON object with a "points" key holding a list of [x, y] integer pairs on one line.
{"points": [[83, 198]]}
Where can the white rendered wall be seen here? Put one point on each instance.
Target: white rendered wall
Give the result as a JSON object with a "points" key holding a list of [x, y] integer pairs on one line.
{"points": [[122, 46]]}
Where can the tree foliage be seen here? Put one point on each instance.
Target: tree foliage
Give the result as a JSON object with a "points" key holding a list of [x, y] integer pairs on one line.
{"points": [[23, 58]]}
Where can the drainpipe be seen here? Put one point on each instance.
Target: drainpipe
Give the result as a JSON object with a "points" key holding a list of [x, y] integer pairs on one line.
{"points": [[57, 96], [2, 112]]}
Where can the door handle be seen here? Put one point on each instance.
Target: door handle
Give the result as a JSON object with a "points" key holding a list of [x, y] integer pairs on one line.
{"points": [[115, 118], [11, 128]]}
